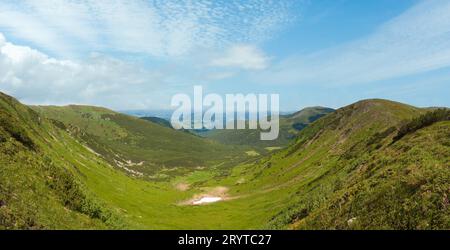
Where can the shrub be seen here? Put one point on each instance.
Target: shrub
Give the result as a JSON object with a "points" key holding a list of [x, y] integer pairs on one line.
{"points": [[422, 121], [71, 193], [15, 130]]}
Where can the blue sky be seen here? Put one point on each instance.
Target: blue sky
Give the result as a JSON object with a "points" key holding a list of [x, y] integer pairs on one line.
{"points": [[137, 54]]}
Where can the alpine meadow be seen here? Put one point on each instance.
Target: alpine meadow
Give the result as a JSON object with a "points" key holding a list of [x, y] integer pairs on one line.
{"points": [[357, 111]]}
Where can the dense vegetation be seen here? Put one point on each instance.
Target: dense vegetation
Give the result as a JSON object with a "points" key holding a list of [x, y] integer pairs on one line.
{"points": [[422, 121]]}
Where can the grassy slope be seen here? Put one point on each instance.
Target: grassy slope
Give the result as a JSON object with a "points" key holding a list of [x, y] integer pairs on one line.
{"points": [[157, 120], [344, 172], [341, 167], [50, 180], [39, 187], [59, 183], [296, 186], [138, 145], [401, 186], [290, 125]]}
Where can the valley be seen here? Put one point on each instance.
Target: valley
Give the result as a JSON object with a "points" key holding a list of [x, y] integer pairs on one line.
{"points": [[362, 166], [290, 126]]}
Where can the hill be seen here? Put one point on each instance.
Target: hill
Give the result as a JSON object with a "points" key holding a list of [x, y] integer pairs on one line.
{"points": [[290, 125], [137, 146], [350, 170], [157, 120], [375, 164], [39, 187]]}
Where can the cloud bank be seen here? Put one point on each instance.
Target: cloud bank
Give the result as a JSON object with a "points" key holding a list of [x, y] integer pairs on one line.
{"points": [[242, 56], [37, 78], [157, 28], [129, 53]]}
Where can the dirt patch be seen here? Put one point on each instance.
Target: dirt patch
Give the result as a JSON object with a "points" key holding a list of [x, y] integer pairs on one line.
{"points": [[210, 195], [182, 186]]}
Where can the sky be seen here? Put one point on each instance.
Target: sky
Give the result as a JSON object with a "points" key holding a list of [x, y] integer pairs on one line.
{"points": [[137, 54]]}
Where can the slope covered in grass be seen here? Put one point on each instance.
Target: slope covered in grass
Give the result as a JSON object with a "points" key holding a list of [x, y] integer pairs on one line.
{"points": [[157, 120], [345, 170], [140, 147], [38, 184], [49, 178]]}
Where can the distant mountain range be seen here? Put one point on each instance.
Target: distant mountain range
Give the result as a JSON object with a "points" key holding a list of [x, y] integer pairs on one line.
{"points": [[160, 113], [166, 114], [290, 125]]}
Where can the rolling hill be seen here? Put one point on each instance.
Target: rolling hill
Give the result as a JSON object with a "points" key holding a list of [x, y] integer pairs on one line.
{"points": [[350, 170], [157, 120], [137, 146], [375, 164], [40, 183], [290, 125]]}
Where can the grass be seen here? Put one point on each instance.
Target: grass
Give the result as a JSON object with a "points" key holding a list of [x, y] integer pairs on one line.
{"points": [[342, 171], [142, 146], [252, 153]]}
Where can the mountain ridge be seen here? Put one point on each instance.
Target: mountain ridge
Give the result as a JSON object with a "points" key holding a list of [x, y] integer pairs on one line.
{"points": [[123, 139]]}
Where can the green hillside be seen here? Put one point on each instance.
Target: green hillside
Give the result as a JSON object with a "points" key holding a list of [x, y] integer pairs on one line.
{"points": [[290, 125], [137, 146], [374, 164], [40, 183], [346, 171], [157, 120]]}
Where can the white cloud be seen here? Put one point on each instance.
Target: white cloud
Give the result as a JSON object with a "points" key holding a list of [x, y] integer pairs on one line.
{"points": [[162, 44], [157, 28], [242, 56], [220, 75], [36, 78], [417, 41], [2, 39]]}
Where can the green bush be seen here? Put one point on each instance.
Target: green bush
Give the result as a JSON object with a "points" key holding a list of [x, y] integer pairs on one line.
{"points": [[15, 130], [71, 193], [422, 121]]}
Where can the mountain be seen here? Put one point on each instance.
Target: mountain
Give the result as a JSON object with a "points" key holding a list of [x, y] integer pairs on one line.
{"points": [[160, 113], [140, 147], [290, 125], [375, 164], [352, 170], [39, 184]]}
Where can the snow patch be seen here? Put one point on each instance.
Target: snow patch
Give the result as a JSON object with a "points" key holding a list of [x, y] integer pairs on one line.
{"points": [[207, 199]]}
